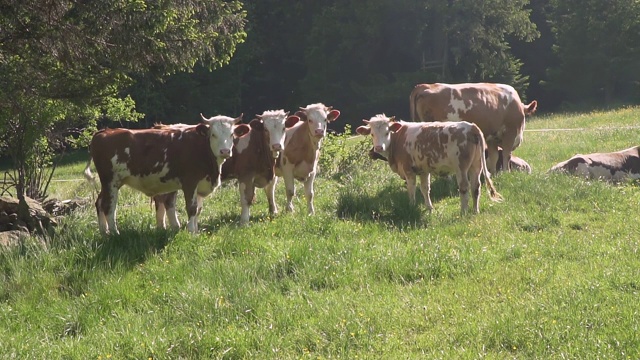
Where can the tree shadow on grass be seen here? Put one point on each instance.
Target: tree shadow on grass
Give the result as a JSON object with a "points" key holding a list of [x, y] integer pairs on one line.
{"points": [[131, 247], [391, 204]]}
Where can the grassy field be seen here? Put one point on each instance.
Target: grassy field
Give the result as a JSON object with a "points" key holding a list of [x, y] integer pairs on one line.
{"points": [[551, 272]]}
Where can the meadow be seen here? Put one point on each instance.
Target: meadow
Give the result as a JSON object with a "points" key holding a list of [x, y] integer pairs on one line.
{"points": [[553, 271]]}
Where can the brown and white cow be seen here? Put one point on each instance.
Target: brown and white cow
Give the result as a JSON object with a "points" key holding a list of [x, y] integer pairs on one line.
{"points": [[299, 160], [516, 163], [252, 163], [423, 148], [157, 161], [495, 108], [614, 166]]}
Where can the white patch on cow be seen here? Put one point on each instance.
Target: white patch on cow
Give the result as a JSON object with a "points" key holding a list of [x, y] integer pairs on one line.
{"points": [[458, 106], [317, 116], [381, 134], [274, 123], [243, 144], [151, 184], [205, 187], [221, 135]]}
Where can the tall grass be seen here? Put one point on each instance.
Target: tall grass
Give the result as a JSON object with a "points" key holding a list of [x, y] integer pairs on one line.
{"points": [[552, 272]]}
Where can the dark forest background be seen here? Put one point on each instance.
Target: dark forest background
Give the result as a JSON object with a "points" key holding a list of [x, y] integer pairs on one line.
{"points": [[364, 57]]}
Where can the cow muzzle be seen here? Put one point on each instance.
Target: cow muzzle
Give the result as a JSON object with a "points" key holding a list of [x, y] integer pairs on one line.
{"points": [[378, 148], [319, 133], [276, 147], [225, 153]]}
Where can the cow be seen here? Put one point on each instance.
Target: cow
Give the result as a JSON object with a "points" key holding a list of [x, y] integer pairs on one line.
{"points": [[299, 159], [157, 161], [252, 163], [495, 108], [614, 166], [443, 148]]}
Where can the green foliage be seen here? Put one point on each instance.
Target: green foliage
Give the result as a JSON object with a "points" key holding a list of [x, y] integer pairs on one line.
{"points": [[551, 272], [343, 154]]}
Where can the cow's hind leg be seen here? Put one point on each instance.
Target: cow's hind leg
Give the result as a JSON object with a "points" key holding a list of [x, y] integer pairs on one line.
{"points": [[166, 205], [463, 188], [290, 187], [308, 192], [411, 187], [270, 191], [161, 211], [106, 205], [492, 159], [102, 217], [474, 176], [247, 194]]}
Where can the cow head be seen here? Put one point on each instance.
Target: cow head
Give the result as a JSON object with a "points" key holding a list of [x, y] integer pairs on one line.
{"points": [[220, 131], [380, 127], [317, 116], [275, 122]]}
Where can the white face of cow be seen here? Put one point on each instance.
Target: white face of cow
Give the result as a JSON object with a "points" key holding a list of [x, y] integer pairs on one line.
{"points": [[380, 127], [275, 122], [220, 132], [318, 115]]}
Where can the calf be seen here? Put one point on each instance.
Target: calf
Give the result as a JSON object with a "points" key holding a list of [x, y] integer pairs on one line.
{"points": [[419, 149], [495, 108], [299, 159], [252, 163], [157, 161], [614, 166]]}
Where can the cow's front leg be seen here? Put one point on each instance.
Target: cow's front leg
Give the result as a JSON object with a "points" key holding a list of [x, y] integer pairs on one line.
{"points": [[193, 203], [247, 194], [290, 187], [425, 188], [411, 187], [308, 193], [492, 159], [270, 191]]}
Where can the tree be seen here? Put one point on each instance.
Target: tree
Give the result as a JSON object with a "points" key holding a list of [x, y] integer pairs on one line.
{"points": [[70, 59], [598, 45]]}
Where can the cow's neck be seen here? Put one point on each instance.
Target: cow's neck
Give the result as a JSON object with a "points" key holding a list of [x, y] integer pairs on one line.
{"points": [[315, 142]]}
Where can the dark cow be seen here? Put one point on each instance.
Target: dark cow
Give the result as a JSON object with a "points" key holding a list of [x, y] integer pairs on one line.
{"points": [[299, 160], [423, 148], [495, 108], [614, 166], [252, 163], [516, 163], [157, 161]]}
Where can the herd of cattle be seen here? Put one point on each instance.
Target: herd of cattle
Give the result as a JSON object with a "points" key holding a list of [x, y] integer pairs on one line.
{"points": [[469, 130]]}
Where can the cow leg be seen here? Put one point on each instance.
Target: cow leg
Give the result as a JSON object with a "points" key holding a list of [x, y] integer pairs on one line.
{"points": [[308, 193], [193, 203], [492, 159], [161, 210], [425, 188], [109, 208], [270, 191], [411, 187], [102, 218], [247, 194], [463, 188], [474, 175], [290, 187], [169, 203]]}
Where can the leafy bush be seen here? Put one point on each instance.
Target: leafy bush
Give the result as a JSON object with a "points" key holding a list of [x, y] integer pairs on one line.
{"points": [[343, 154]]}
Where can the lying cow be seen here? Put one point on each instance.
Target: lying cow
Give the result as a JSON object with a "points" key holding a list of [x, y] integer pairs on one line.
{"points": [[495, 108], [614, 166], [252, 163], [419, 149], [299, 159], [157, 161]]}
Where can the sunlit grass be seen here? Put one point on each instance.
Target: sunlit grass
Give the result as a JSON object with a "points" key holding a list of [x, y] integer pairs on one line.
{"points": [[551, 272]]}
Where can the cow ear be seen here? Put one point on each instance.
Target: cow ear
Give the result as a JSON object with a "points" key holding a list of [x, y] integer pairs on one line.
{"points": [[333, 114], [202, 129], [395, 126], [241, 129], [256, 124], [302, 115], [291, 120], [238, 120], [363, 130]]}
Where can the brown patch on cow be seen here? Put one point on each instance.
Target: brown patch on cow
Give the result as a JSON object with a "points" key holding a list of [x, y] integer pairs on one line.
{"points": [[300, 148]]}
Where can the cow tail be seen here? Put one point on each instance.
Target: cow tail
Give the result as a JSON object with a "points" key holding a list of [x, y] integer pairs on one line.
{"points": [[87, 172], [494, 195]]}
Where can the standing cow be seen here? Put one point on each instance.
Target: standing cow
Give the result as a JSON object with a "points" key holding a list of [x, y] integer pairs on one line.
{"points": [[495, 108], [299, 160], [157, 161], [252, 163], [614, 166], [419, 149]]}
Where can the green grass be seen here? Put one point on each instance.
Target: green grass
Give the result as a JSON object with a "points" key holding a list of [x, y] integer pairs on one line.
{"points": [[551, 272]]}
